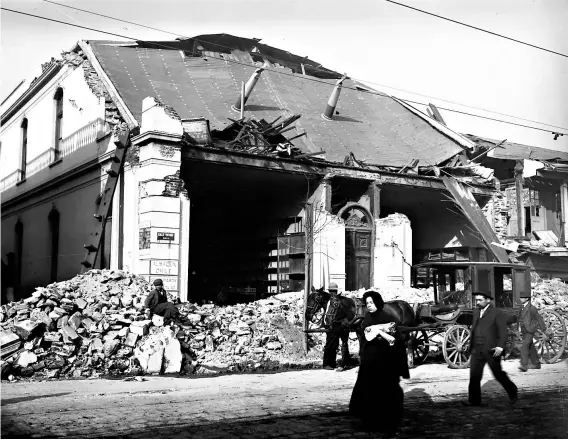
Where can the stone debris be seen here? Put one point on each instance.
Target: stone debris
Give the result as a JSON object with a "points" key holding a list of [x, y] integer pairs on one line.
{"points": [[550, 294], [94, 325]]}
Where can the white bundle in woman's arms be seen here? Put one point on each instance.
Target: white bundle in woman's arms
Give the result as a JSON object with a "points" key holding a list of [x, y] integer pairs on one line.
{"points": [[383, 330]]}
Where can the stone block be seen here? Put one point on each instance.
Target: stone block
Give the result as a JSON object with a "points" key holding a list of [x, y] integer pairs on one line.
{"points": [[113, 334], [131, 339], [110, 347], [25, 328], [140, 327], [194, 318], [81, 303], [26, 358], [172, 357], [67, 330], [155, 361], [75, 321], [97, 345]]}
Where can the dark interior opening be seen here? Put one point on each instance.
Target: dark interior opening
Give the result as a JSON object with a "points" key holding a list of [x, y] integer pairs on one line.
{"points": [[236, 217]]}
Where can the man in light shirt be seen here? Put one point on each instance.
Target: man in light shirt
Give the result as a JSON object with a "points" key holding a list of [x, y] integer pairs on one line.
{"points": [[488, 338]]}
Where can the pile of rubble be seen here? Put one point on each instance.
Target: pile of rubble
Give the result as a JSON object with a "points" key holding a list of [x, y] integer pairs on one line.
{"points": [[550, 294], [94, 324]]}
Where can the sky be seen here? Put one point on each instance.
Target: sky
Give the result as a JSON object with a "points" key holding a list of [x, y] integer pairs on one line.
{"points": [[384, 45]]}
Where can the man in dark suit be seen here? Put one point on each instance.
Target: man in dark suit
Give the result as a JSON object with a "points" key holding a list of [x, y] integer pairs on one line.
{"points": [[339, 329], [488, 339], [158, 304], [528, 320]]}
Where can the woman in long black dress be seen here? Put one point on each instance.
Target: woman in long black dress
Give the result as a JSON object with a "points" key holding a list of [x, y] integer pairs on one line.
{"points": [[377, 397]]}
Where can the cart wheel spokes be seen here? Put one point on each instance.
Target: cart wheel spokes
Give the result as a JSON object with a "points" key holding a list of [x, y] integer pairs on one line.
{"points": [[551, 346], [420, 348], [456, 346]]}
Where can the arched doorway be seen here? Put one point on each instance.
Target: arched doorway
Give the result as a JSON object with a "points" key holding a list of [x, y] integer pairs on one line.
{"points": [[358, 246]]}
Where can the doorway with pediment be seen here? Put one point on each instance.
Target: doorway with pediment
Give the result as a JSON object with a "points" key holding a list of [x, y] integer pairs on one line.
{"points": [[358, 246]]}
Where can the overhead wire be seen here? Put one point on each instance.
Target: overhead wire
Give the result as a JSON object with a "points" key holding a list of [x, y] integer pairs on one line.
{"points": [[276, 59], [303, 77], [477, 28]]}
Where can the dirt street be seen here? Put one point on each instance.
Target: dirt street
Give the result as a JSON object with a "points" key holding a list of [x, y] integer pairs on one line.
{"points": [[294, 404]]}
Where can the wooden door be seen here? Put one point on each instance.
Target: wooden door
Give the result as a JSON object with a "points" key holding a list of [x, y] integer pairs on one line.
{"points": [[357, 259]]}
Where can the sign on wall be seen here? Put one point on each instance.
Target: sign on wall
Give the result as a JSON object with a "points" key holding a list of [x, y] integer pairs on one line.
{"points": [[166, 236], [164, 267]]}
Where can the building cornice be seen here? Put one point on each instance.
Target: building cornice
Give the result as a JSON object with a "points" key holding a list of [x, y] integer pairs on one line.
{"points": [[45, 77], [155, 136]]}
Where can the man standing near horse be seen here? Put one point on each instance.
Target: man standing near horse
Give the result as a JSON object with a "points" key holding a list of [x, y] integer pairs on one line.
{"points": [[488, 339], [339, 328]]}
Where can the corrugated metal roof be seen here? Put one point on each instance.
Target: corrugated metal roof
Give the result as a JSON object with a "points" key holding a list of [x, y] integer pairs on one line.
{"points": [[375, 127], [513, 151]]}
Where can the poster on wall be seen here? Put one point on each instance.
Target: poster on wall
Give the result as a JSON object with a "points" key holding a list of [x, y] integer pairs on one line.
{"points": [[144, 238]]}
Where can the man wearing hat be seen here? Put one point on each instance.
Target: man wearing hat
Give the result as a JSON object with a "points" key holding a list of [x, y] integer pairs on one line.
{"points": [[528, 320], [336, 332], [488, 339], [157, 303]]}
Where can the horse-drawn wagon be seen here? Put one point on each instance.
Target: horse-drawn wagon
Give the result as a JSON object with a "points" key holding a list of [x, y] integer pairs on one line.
{"points": [[445, 322], [450, 314]]}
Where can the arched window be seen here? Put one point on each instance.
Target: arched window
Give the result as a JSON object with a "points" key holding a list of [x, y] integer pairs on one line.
{"points": [[355, 217], [19, 237], [58, 123], [24, 152], [54, 229]]}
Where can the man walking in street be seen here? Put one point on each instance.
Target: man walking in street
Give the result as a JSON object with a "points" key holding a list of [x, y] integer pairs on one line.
{"points": [[528, 320], [488, 339]]}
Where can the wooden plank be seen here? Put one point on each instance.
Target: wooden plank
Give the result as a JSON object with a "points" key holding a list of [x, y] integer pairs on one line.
{"points": [[464, 199], [248, 160], [308, 266]]}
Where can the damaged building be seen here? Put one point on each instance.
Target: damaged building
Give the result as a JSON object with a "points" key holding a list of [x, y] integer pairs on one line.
{"points": [[529, 211], [230, 169]]}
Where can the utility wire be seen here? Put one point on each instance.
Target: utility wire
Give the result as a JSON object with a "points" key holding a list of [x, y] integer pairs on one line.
{"points": [[114, 18], [478, 29], [276, 59], [303, 77], [484, 117]]}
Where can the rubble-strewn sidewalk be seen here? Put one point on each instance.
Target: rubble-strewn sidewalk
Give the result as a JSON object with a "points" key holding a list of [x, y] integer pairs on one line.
{"points": [[94, 325]]}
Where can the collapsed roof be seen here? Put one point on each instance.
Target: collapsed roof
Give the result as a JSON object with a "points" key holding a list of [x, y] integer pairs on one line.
{"points": [[202, 76]]}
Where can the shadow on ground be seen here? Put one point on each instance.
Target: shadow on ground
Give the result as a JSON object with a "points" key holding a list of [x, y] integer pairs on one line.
{"points": [[28, 398], [537, 415]]}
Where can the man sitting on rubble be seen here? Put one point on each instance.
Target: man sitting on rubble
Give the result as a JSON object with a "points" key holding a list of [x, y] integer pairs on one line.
{"points": [[157, 303]]}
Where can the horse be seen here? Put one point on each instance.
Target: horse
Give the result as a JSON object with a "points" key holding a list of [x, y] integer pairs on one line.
{"points": [[346, 314]]}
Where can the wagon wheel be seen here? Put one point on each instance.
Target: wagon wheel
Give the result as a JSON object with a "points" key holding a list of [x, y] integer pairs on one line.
{"points": [[419, 342], [456, 346], [550, 347]]}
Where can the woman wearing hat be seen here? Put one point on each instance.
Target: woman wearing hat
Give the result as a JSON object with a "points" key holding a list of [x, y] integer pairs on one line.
{"points": [[377, 397]]}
